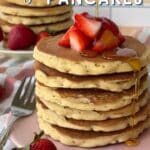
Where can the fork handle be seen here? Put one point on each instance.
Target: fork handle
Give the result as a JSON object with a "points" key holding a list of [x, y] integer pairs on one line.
{"points": [[6, 130]]}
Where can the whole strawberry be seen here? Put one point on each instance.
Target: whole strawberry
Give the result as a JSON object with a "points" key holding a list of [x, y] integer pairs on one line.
{"points": [[43, 144], [1, 35], [21, 37]]}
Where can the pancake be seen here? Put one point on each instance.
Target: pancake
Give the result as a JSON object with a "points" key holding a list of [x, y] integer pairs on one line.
{"points": [[51, 28], [35, 3], [69, 61], [17, 10], [105, 126], [12, 19], [113, 82], [95, 99], [89, 138], [95, 115]]}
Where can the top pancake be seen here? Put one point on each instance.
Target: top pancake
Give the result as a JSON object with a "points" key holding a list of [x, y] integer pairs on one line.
{"points": [[35, 3], [49, 52], [13, 9]]}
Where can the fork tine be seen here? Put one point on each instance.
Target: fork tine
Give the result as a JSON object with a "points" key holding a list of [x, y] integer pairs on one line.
{"points": [[32, 90], [31, 103], [31, 100], [26, 90], [18, 93]]}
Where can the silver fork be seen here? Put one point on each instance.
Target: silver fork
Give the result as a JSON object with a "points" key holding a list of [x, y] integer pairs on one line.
{"points": [[23, 105]]}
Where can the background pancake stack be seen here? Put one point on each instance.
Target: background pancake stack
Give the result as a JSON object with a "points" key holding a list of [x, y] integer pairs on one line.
{"points": [[90, 102], [38, 15]]}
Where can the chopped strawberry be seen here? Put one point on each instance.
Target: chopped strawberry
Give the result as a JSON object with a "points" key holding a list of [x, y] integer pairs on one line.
{"points": [[1, 35], [110, 25], [2, 91], [21, 37], [64, 41], [88, 25], [43, 144], [78, 40], [100, 32], [107, 41], [42, 35]]}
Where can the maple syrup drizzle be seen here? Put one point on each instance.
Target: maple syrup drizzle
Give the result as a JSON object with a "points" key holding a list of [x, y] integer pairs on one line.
{"points": [[134, 142], [136, 65], [89, 53], [130, 56], [97, 8]]}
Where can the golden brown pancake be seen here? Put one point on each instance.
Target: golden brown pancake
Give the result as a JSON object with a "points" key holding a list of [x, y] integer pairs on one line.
{"points": [[34, 3], [51, 28], [111, 77], [17, 10], [87, 99], [13, 19], [96, 115], [105, 126], [48, 52], [90, 138], [114, 82]]}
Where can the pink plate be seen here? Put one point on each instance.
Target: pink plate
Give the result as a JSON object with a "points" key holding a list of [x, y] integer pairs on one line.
{"points": [[24, 130]]}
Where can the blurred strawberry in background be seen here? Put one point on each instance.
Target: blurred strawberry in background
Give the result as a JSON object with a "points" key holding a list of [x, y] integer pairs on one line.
{"points": [[42, 35], [21, 37]]}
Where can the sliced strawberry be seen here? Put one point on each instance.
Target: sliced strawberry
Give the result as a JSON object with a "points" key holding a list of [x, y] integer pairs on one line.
{"points": [[88, 25], [64, 41], [78, 40], [106, 41], [110, 25]]}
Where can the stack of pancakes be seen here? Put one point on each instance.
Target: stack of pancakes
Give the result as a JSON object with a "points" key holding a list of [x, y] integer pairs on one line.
{"points": [[38, 15], [90, 102]]}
